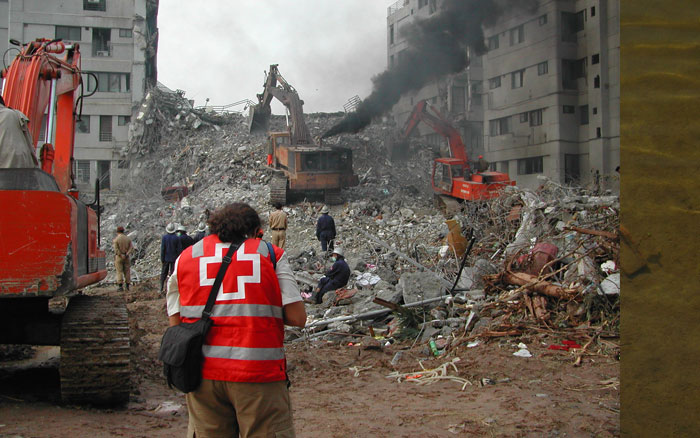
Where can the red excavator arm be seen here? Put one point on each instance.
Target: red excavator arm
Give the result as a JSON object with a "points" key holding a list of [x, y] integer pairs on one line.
{"points": [[35, 79], [424, 112]]}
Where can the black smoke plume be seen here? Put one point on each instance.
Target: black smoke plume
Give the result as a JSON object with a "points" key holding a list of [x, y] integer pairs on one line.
{"points": [[437, 46]]}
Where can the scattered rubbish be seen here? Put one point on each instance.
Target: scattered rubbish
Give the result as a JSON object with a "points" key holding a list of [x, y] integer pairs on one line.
{"points": [[358, 369], [433, 348], [168, 407], [473, 344], [427, 377], [565, 345], [522, 351], [397, 357]]}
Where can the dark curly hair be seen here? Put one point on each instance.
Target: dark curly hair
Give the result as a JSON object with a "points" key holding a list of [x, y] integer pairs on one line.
{"points": [[234, 222]]}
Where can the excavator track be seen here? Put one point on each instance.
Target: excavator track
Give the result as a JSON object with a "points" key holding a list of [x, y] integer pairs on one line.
{"points": [[278, 190], [332, 197], [94, 363]]}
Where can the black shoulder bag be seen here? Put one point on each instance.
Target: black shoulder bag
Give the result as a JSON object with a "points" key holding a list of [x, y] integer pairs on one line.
{"points": [[181, 347]]}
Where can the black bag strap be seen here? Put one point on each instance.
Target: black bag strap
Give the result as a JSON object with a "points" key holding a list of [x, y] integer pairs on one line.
{"points": [[271, 253], [206, 313]]}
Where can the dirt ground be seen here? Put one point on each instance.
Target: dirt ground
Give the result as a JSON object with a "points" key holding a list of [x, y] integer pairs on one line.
{"points": [[539, 396]]}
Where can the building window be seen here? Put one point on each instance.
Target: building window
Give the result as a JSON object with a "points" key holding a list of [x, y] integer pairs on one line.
{"points": [[571, 169], [123, 164], [82, 126], [596, 81], [579, 19], [542, 68], [571, 24], [499, 126], [493, 42], [568, 109], [528, 166], [94, 5], [542, 20], [82, 171], [123, 120], [583, 110], [517, 35], [595, 110], [391, 34], [476, 93], [494, 82], [109, 82], [535, 117], [523, 117], [391, 61], [597, 132], [68, 33], [516, 79], [595, 59], [459, 103], [592, 11], [101, 41], [105, 128], [572, 70], [433, 6], [125, 33]]}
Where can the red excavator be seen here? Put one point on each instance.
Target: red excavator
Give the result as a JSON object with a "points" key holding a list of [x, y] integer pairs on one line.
{"points": [[299, 165], [453, 179], [50, 238]]}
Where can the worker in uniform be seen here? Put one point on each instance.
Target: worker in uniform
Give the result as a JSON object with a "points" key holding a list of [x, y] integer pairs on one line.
{"points": [[244, 391], [201, 232], [169, 250], [325, 229], [335, 278], [16, 146], [482, 165], [185, 240], [122, 251], [278, 225]]}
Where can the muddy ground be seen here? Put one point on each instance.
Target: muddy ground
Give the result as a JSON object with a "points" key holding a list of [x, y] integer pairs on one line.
{"points": [[541, 396]]}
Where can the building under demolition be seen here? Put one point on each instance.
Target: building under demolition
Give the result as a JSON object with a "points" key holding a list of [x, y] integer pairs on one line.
{"points": [[541, 98], [118, 45]]}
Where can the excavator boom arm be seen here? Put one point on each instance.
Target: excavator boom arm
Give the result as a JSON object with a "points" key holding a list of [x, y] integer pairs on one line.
{"points": [[424, 112]]}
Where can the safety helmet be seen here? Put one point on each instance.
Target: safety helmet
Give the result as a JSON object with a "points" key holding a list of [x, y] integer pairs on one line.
{"points": [[325, 209], [181, 228], [202, 226], [170, 228], [481, 156], [338, 251]]}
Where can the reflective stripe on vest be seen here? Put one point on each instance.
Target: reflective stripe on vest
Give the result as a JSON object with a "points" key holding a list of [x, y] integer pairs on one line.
{"points": [[242, 353], [233, 310]]}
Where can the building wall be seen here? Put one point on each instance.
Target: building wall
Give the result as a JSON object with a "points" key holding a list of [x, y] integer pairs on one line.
{"points": [[120, 65], [4, 35], [557, 142]]}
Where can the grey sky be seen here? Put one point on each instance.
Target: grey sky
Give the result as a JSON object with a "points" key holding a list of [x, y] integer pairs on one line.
{"points": [[327, 49]]}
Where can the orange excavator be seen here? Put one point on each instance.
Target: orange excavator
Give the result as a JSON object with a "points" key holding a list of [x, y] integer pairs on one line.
{"points": [[300, 166], [50, 238], [453, 179]]}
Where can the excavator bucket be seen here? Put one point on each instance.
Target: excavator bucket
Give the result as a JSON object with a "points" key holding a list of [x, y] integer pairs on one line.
{"points": [[258, 119]]}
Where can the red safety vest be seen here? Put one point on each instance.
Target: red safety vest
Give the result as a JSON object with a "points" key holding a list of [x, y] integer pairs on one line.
{"points": [[245, 343]]}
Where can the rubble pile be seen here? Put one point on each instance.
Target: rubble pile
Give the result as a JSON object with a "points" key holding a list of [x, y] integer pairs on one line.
{"points": [[528, 261]]}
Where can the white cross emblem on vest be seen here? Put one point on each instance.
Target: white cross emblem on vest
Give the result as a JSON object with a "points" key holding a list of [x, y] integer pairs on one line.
{"points": [[242, 280]]}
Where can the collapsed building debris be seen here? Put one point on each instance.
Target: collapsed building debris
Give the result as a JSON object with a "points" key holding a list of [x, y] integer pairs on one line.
{"points": [[542, 261]]}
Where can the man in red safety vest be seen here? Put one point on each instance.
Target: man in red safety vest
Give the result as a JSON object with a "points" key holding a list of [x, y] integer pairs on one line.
{"points": [[244, 387]]}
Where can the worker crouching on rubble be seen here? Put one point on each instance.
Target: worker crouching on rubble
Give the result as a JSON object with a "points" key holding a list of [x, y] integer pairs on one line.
{"points": [[336, 278], [244, 387]]}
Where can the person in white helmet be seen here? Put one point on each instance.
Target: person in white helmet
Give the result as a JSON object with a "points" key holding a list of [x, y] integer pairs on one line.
{"points": [[201, 232], [336, 278], [325, 229], [185, 240], [169, 250]]}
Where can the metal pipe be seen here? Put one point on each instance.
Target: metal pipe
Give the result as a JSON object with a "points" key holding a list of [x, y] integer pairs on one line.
{"points": [[50, 133], [373, 312]]}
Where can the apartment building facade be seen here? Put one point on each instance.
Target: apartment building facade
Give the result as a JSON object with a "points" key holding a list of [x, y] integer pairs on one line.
{"points": [[546, 95], [117, 44]]}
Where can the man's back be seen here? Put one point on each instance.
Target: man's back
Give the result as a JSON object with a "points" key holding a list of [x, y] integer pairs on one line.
{"points": [[16, 148], [170, 248]]}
